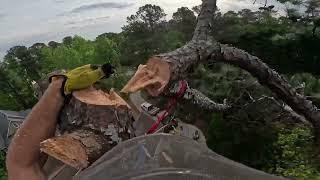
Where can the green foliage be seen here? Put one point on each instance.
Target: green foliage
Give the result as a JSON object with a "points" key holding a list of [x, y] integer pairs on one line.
{"points": [[24, 60], [67, 41], [289, 47], [311, 83], [7, 102], [294, 2], [173, 40], [60, 58], [106, 51], [115, 37], [143, 33], [118, 81], [255, 132], [244, 133], [295, 158], [183, 21], [15, 91], [248, 141], [149, 15], [252, 132], [79, 52], [284, 151], [3, 173]]}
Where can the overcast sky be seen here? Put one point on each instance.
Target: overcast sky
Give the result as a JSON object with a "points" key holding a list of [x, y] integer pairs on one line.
{"points": [[24, 22]]}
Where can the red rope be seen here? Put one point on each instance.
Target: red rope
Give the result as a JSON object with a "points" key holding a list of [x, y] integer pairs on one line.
{"points": [[171, 105]]}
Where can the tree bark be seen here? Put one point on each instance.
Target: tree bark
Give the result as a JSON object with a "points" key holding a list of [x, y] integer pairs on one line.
{"points": [[197, 98], [92, 123], [203, 48]]}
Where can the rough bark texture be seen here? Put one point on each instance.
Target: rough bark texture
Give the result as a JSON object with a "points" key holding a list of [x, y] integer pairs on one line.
{"points": [[92, 123], [203, 29], [197, 98], [203, 48], [78, 148]]}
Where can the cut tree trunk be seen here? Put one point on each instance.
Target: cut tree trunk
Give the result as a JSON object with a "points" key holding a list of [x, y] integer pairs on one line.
{"points": [[92, 123]]}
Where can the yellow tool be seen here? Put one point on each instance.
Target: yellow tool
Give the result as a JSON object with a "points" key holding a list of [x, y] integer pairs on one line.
{"points": [[83, 77]]}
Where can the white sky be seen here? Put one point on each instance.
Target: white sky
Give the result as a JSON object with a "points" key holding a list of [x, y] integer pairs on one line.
{"points": [[25, 22]]}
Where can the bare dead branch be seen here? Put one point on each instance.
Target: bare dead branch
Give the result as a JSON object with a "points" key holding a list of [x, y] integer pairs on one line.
{"points": [[199, 99], [288, 110]]}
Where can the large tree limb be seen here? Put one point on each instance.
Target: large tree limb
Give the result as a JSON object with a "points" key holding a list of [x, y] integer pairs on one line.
{"points": [[271, 79], [204, 49]]}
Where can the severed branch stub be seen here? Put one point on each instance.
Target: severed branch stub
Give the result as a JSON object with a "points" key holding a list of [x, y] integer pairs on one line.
{"points": [[78, 148], [92, 123]]}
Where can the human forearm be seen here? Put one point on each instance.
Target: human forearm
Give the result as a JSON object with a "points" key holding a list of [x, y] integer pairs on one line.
{"points": [[40, 125], [24, 159]]}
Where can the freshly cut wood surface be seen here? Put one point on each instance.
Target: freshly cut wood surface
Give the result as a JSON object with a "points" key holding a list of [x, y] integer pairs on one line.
{"points": [[67, 150], [154, 76], [77, 149], [99, 97], [95, 109], [91, 123]]}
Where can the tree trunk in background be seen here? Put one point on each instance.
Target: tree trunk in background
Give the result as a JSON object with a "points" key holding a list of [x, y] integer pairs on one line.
{"points": [[203, 48], [92, 123]]}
